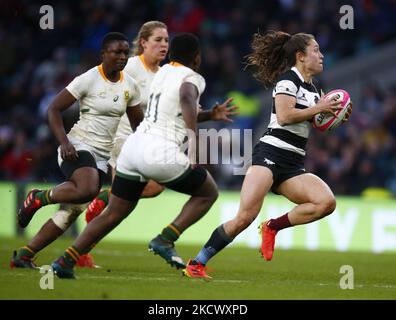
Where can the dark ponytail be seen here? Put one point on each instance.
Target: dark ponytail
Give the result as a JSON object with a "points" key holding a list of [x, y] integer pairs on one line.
{"points": [[274, 53]]}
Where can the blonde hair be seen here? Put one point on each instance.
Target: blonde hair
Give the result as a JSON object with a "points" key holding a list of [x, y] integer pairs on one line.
{"points": [[145, 32]]}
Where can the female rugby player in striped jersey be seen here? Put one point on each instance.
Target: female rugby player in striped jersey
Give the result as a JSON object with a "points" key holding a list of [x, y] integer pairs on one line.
{"points": [[288, 63]]}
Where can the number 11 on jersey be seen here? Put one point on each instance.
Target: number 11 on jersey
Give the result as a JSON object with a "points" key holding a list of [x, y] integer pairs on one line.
{"points": [[153, 116]]}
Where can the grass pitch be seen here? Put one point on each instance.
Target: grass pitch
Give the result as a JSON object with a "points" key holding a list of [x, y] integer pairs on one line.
{"points": [[129, 271]]}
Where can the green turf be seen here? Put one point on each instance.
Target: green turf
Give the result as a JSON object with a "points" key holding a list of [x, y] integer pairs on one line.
{"points": [[131, 272]]}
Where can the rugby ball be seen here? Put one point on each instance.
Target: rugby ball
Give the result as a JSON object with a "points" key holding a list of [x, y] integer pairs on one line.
{"points": [[327, 121]]}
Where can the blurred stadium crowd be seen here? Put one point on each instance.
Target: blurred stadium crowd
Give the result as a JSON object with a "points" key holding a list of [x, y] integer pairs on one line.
{"points": [[35, 64]]}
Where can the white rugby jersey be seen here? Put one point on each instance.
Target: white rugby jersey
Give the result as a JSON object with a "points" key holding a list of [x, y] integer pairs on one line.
{"points": [[292, 137], [138, 70], [102, 103], [164, 116]]}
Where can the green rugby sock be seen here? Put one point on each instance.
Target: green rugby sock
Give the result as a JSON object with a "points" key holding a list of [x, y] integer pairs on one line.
{"points": [[171, 232], [104, 196], [26, 251], [44, 197], [71, 256]]}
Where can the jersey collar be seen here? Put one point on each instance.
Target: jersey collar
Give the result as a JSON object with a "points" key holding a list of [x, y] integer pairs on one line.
{"points": [[176, 64], [298, 73], [100, 68], [141, 57]]}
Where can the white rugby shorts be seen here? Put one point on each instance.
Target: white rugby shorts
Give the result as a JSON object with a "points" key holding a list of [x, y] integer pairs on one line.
{"points": [[100, 159], [145, 156], [115, 152]]}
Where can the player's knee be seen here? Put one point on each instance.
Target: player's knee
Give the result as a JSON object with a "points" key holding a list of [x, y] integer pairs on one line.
{"points": [[327, 206], [152, 190], [331, 205], [64, 218], [210, 197], [208, 193], [213, 195], [87, 194], [74, 208]]}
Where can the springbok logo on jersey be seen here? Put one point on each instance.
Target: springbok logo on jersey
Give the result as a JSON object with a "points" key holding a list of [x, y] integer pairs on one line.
{"points": [[126, 95], [102, 94]]}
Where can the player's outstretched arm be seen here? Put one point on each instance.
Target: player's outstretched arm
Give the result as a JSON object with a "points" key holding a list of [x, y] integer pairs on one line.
{"points": [[219, 112]]}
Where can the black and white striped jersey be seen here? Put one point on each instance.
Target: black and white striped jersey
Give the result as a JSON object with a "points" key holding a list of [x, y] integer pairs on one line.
{"points": [[291, 137]]}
